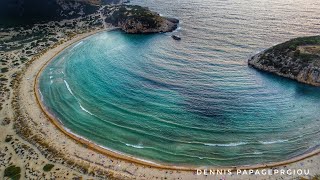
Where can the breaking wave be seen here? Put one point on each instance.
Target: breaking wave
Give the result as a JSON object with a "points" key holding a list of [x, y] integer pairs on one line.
{"points": [[273, 142], [135, 146], [226, 145]]}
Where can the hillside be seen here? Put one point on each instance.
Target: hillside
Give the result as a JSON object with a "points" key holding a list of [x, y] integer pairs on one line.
{"points": [[17, 12], [298, 59], [137, 19]]}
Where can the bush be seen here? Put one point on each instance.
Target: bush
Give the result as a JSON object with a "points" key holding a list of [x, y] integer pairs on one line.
{"points": [[48, 167], [3, 70], [12, 172], [294, 43], [297, 53], [8, 138], [23, 59], [307, 57]]}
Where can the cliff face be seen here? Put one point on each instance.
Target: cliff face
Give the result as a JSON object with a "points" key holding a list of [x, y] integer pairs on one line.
{"points": [[298, 59], [137, 19]]}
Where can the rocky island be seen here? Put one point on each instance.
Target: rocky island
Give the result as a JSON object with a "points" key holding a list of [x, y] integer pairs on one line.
{"points": [[136, 19], [297, 59]]}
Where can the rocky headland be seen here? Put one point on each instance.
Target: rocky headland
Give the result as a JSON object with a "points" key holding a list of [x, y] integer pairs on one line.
{"points": [[297, 59], [139, 20]]}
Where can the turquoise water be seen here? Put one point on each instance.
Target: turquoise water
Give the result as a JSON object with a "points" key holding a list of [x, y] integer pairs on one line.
{"points": [[189, 102]]}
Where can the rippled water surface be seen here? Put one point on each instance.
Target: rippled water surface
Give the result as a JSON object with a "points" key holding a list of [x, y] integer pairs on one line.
{"points": [[194, 101]]}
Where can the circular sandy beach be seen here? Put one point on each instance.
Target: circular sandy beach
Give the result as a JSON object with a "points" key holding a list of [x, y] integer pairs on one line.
{"points": [[82, 151]]}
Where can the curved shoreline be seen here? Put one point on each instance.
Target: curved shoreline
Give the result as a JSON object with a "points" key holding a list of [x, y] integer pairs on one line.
{"points": [[128, 158]]}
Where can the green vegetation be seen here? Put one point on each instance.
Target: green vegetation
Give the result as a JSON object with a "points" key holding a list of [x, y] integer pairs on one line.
{"points": [[294, 43], [3, 79], [8, 138], [284, 49], [28, 52], [48, 167], [292, 57], [3, 70], [307, 57], [23, 59], [12, 172], [53, 39], [136, 14]]}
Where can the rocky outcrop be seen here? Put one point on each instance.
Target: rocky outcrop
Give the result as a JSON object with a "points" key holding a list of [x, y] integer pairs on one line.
{"points": [[137, 19], [297, 59]]}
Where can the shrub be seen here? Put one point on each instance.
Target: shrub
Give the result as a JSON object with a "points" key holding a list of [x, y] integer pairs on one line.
{"points": [[48, 167], [8, 138], [12, 172], [3, 70]]}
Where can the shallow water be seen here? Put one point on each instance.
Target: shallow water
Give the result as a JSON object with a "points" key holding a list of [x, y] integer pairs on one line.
{"points": [[195, 101]]}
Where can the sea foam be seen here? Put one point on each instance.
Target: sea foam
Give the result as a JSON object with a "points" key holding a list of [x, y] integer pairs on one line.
{"points": [[85, 109], [77, 44], [135, 146], [273, 142], [68, 87], [226, 145], [41, 96]]}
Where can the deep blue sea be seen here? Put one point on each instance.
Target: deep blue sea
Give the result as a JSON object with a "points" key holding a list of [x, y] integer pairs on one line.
{"points": [[194, 101]]}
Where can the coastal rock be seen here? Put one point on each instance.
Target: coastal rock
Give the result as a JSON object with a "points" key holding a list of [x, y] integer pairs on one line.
{"points": [[137, 19], [297, 59]]}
